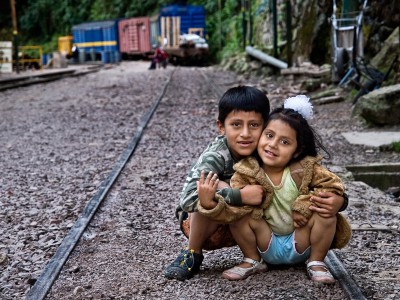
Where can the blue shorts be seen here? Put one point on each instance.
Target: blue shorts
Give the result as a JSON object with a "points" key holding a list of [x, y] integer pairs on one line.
{"points": [[282, 251]]}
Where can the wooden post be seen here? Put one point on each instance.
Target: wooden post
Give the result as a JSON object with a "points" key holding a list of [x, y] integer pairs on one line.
{"points": [[289, 32], [244, 23], [178, 31], [275, 27], [15, 33], [251, 24], [220, 23], [163, 33], [168, 30], [173, 30]]}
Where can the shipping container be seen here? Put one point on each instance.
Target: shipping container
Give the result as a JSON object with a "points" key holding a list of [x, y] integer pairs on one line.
{"points": [[134, 36], [96, 38], [191, 16], [183, 31]]}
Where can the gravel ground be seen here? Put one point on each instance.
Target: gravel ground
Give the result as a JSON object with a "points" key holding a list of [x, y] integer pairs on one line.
{"points": [[61, 140]]}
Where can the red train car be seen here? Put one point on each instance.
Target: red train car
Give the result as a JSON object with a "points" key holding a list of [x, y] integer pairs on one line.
{"points": [[134, 37]]}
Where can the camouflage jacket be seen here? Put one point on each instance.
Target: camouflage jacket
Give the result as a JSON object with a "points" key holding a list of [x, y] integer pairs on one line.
{"points": [[218, 159]]}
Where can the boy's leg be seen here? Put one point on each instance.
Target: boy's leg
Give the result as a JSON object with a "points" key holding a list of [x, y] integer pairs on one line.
{"points": [[189, 260], [201, 228]]}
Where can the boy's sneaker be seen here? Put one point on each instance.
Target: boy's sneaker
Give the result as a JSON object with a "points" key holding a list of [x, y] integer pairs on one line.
{"points": [[185, 265]]}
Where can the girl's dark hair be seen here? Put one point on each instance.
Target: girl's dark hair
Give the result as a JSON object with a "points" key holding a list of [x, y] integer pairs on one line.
{"points": [[309, 142], [243, 98]]}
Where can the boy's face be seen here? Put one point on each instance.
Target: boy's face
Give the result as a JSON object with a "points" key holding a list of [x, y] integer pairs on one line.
{"points": [[242, 130]]}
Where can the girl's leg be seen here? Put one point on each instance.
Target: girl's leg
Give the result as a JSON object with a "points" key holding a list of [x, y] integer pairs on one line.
{"points": [[250, 234], [201, 228], [318, 233]]}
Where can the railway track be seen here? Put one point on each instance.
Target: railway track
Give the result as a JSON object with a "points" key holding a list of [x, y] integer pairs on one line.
{"points": [[38, 78], [53, 268], [121, 241]]}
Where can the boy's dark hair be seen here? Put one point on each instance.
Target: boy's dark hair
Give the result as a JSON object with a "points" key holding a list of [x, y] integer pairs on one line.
{"points": [[243, 98], [308, 140]]}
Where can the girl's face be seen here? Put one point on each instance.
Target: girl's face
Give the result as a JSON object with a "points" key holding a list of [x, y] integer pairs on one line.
{"points": [[242, 130], [277, 145]]}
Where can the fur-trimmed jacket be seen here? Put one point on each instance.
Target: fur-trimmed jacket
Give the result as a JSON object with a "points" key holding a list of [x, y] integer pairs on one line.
{"points": [[310, 178]]}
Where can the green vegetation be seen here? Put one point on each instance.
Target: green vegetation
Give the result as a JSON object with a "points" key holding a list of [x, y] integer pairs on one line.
{"points": [[41, 22], [229, 22], [396, 146]]}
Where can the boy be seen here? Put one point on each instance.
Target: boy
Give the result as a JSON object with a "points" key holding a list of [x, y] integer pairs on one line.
{"points": [[243, 112]]}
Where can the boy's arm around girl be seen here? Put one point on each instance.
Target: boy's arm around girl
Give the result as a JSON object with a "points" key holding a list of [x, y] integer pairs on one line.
{"points": [[310, 178]]}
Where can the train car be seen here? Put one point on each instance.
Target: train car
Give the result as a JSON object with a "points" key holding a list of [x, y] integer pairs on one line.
{"points": [[179, 29], [135, 37], [97, 41], [183, 31], [191, 16]]}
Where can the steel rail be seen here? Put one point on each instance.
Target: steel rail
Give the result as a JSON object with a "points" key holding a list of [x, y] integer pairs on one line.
{"points": [[347, 283], [22, 81], [216, 89], [45, 281]]}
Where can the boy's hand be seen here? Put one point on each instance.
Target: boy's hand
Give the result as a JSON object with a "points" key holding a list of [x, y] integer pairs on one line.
{"points": [[298, 219], [252, 194], [326, 204], [206, 189]]}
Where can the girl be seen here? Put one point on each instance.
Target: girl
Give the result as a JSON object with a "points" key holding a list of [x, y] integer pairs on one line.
{"points": [[286, 231]]}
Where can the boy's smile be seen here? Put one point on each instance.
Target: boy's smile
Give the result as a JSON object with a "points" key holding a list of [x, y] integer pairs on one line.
{"points": [[242, 130]]}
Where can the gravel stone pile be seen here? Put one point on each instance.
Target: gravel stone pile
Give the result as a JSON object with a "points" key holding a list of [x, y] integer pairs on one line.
{"points": [[62, 139]]}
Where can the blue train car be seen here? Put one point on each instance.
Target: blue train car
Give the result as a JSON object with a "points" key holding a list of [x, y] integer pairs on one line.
{"points": [[191, 16], [183, 32], [173, 28], [97, 40]]}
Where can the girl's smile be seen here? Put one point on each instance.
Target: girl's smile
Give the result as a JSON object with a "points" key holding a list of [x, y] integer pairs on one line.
{"points": [[277, 145]]}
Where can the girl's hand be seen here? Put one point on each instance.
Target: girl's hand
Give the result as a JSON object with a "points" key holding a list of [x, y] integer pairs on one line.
{"points": [[298, 219], [206, 189], [326, 204]]}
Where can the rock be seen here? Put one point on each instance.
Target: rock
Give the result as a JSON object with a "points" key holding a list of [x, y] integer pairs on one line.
{"points": [[381, 106], [390, 47], [395, 191], [78, 290], [74, 269], [3, 259], [311, 84]]}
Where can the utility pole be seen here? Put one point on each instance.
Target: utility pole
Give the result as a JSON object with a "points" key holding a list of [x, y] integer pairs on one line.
{"points": [[289, 32], [15, 33], [251, 24], [275, 27], [244, 23], [220, 23]]}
